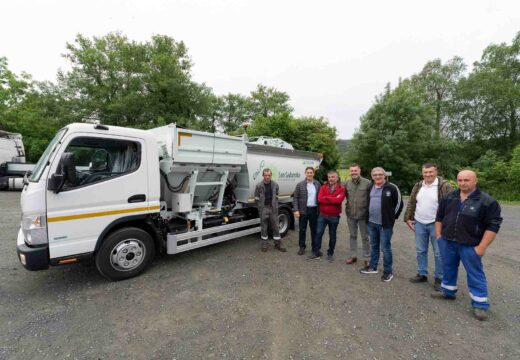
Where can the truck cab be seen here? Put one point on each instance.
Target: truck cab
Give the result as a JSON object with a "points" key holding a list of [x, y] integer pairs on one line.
{"points": [[102, 176]]}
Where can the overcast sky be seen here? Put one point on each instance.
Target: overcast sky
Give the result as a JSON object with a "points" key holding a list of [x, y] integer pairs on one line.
{"points": [[331, 57]]}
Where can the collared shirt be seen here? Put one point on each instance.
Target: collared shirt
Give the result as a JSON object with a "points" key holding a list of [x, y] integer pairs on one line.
{"points": [[311, 195], [427, 202]]}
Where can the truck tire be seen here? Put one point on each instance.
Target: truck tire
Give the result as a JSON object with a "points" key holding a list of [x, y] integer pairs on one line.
{"points": [[125, 253], [284, 221]]}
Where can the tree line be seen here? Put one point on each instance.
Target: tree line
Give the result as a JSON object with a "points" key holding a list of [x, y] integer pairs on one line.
{"points": [[144, 85], [450, 116], [446, 114]]}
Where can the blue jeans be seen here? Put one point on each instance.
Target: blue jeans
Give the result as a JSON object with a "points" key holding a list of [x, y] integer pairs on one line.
{"points": [[310, 217], [380, 241], [323, 221], [424, 234], [452, 254]]}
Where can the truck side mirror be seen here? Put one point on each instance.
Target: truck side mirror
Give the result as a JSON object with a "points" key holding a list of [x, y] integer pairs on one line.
{"points": [[65, 173], [55, 182]]}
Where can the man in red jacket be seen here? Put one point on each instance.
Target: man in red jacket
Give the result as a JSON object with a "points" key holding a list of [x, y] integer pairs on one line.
{"points": [[330, 198]]}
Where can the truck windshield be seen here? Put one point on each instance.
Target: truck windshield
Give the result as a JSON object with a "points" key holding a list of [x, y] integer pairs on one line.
{"points": [[44, 159]]}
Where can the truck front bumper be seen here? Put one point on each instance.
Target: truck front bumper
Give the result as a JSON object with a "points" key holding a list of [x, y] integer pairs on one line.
{"points": [[32, 258]]}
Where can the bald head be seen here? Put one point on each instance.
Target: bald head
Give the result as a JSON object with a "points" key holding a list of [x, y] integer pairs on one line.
{"points": [[467, 181]]}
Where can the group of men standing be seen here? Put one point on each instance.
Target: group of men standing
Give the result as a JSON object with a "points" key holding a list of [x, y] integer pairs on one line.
{"points": [[371, 207], [459, 224]]}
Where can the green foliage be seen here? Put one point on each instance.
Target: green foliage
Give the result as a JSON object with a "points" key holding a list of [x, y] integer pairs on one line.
{"points": [[144, 85], [437, 82], [439, 115], [267, 101], [488, 103], [233, 110], [13, 91], [395, 134], [444, 117], [498, 176], [134, 84]]}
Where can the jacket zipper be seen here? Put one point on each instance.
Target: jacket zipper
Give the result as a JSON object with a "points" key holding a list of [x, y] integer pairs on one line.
{"points": [[457, 220]]}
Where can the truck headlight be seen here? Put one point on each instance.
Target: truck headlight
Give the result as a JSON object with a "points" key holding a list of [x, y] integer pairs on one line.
{"points": [[34, 228]]}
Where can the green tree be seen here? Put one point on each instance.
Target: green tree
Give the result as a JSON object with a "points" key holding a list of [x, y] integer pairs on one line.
{"points": [[39, 116], [13, 90], [498, 176], [233, 111], [489, 99], [267, 101], [438, 82], [395, 133], [134, 84]]}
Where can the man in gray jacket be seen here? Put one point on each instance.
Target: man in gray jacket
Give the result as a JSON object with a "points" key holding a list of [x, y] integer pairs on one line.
{"points": [[266, 197], [305, 206], [356, 209]]}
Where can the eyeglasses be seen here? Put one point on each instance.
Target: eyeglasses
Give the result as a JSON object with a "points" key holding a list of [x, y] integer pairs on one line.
{"points": [[378, 174]]}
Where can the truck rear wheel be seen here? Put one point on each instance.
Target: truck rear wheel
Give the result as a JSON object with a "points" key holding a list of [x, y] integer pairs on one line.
{"points": [[284, 221], [125, 253]]}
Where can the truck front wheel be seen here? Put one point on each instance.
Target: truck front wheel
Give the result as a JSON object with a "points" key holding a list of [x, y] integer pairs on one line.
{"points": [[125, 253]]}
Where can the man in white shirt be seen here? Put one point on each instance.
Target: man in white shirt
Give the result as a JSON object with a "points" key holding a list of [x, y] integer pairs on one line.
{"points": [[305, 207], [420, 218]]}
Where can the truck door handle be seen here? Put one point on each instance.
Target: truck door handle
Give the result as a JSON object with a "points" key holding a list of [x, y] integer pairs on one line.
{"points": [[137, 198]]}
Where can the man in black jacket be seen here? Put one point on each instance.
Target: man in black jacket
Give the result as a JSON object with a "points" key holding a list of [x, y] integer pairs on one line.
{"points": [[384, 207], [466, 224], [305, 206]]}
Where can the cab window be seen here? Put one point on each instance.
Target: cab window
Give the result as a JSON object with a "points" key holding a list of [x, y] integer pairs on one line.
{"points": [[100, 159]]}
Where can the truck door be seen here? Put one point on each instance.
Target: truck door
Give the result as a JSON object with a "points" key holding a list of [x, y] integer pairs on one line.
{"points": [[111, 183]]}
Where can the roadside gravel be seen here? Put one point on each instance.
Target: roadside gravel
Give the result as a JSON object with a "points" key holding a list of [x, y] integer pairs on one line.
{"points": [[232, 301]]}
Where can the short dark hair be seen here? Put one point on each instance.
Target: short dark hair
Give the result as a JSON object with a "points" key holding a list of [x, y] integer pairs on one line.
{"points": [[354, 165], [310, 168], [429, 165], [332, 172], [266, 170]]}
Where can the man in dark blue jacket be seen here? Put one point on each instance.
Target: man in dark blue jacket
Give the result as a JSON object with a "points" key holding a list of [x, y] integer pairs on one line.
{"points": [[467, 222]]}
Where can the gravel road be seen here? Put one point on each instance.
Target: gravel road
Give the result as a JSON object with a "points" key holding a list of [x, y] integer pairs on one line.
{"points": [[232, 301]]}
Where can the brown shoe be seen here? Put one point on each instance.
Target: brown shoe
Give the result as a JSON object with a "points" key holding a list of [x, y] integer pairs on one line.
{"points": [[278, 246], [351, 260], [301, 251]]}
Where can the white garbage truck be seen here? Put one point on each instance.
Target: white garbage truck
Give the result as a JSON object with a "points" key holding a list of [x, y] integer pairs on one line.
{"points": [[119, 196]]}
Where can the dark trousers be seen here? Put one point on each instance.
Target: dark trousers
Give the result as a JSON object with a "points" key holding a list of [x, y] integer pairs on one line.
{"points": [[311, 218], [323, 221]]}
